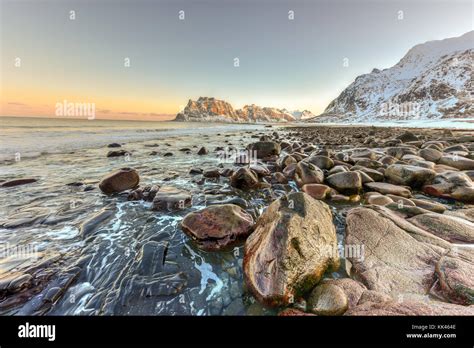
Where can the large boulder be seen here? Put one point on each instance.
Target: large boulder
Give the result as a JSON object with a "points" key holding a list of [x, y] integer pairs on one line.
{"points": [[409, 175], [347, 182], [307, 173], [218, 226], [290, 249], [403, 259], [119, 180]]}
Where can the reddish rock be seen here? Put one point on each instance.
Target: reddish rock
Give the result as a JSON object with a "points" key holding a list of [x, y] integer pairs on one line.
{"points": [[120, 180], [218, 227]]}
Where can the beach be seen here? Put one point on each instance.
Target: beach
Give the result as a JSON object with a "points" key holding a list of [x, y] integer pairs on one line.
{"points": [[92, 253]]}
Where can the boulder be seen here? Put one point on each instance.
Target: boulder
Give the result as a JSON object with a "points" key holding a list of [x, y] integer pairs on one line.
{"points": [[322, 162], [386, 188], [431, 155], [454, 185], [408, 175], [290, 249], [117, 153], [327, 299], [119, 180], [218, 226], [170, 198], [347, 182], [317, 191], [307, 173], [458, 162], [401, 258], [245, 179], [264, 149], [407, 137], [202, 151]]}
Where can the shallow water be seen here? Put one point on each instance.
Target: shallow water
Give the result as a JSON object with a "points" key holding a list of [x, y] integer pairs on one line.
{"points": [[136, 261]]}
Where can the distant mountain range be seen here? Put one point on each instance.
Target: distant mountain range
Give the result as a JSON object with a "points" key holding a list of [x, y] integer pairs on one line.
{"points": [[207, 109], [432, 81]]}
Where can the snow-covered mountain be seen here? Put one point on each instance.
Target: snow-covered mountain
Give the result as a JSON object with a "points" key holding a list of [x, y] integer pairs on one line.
{"points": [[432, 81], [300, 115]]}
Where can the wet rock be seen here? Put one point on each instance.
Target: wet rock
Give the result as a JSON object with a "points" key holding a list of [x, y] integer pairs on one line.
{"points": [[119, 180], [317, 191], [218, 227], [244, 179], [451, 228], [195, 171], [211, 173], [410, 308], [260, 170], [18, 182], [327, 299], [202, 151], [170, 198], [385, 188], [117, 153], [91, 224], [146, 193], [408, 175], [375, 175], [307, 173], [290, 249], [265, 149], [348, 182], [114, 145]]}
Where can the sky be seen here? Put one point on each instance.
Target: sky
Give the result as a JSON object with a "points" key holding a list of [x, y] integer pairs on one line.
{"points": [[141, 60]]}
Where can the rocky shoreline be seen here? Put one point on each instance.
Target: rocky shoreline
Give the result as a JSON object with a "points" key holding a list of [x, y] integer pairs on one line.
{"points": [[351, 220]]}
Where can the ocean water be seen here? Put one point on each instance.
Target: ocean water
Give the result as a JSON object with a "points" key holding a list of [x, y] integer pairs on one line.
{"points": [[31, 137]]}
